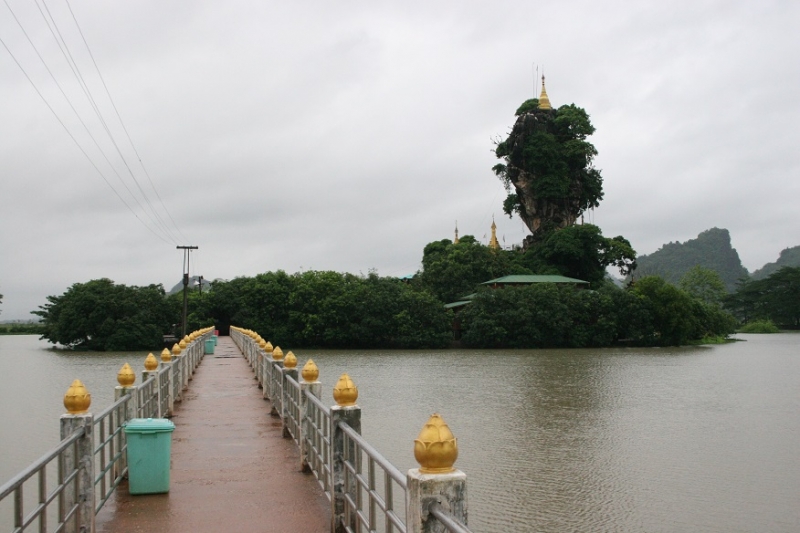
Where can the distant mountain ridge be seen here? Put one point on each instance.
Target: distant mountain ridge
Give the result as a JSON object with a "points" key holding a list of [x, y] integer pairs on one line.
{"points": [[711, 249], [789, 257], [193, 282]]}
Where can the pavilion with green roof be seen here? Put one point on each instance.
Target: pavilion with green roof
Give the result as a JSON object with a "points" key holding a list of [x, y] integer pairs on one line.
{"points": [[527, 279], [516, 280]]}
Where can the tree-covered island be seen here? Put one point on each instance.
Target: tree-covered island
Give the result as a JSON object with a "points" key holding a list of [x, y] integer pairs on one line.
{"points": [[546, 166]]}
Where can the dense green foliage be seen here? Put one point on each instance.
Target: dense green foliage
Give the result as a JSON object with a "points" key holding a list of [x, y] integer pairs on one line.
{"points": [[547, 167], [759, 326], [450, 271], [704, 284], [711, 250], [789, 257], [580, 252], [99, 315], [677, 317], [326, 309], [775, 298], [653, 312]]}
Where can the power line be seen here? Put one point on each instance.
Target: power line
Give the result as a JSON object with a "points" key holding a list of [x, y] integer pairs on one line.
{"points": [[73, 65], [155, 218], [121, 122], [75, 140]]}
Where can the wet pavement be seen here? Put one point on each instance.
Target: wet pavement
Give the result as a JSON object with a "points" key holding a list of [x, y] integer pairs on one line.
{"points": [[231, 468]]}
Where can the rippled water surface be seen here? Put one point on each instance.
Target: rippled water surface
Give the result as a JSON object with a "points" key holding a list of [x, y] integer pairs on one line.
{"points": [[701, 439]]}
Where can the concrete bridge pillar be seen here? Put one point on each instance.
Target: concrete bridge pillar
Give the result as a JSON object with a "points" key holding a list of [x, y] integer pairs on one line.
{"points": [[81, 457], [309, 385]]}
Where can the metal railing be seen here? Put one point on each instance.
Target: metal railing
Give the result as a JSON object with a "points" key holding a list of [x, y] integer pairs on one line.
{"points": [[367, 493], [147, 399], [291, 408], [177, 384], [47, 493], [373, 492], [316, 434], [88, 464], [165, 379], [110, 447]]}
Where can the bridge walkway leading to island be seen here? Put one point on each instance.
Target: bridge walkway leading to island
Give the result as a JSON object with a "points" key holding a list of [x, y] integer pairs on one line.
{"points": [[232, 470]]}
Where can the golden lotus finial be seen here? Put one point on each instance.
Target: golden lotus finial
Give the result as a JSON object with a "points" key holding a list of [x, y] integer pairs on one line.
{"points": [[345, 392], [166, 356], [277, 353], [176, 349], [184, 342], [125, 376], [77, 399], [435, 449], [262, 344], [290, 361], [310, 371], [150, 362], [268, 347]]}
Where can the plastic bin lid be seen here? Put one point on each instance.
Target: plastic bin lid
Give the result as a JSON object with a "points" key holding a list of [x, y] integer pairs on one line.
{"points": [[149, 425]]}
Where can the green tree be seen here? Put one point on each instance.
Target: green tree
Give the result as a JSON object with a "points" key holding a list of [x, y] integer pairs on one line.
{"points": [[776, 298], [331, 309], [781, 296], [551, 316], [677, 317], [450, 271], [581, 252], [704, 284], [99, 315], [547, 167]]}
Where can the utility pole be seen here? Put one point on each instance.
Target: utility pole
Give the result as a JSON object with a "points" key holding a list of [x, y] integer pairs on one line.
{"points": [[186, 251], [201, 285]]}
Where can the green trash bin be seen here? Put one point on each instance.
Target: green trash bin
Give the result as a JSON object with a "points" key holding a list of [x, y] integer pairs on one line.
{"points": [[214, 337], [209, 346], [149, 444]]}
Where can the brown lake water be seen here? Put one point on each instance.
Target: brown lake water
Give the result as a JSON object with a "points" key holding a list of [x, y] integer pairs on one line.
{"points": [[700, 439]]}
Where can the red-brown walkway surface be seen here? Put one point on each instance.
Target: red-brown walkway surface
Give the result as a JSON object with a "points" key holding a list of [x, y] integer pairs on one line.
{"points": [[231, 469]]}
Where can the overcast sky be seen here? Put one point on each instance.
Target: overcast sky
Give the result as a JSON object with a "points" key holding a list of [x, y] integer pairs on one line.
{"points": [[347, 135]]}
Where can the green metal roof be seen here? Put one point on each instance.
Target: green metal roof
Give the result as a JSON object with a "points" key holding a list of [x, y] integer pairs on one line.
{"points": [[527, 279], [456, 304]]}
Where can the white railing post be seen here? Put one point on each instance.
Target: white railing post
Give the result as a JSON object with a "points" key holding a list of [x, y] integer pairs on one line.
{"points": [[126, 379], [285, 372], [266, 373], [345, 393], [151, 370], [309, 385], [170, 389], [435, 481], [274, 393], [80, 458]]}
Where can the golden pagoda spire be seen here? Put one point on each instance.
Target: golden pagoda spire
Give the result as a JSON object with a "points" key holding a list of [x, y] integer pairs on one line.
{"points": [[493, 244], [456, 239], [544, 101]]}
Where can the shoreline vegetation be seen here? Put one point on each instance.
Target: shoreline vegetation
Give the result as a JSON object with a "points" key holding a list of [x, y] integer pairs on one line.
{"points": [[343, 311], [22, 329]]}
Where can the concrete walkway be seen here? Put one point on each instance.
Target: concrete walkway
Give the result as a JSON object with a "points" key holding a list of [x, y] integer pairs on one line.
{"points": [[231, 469]]}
